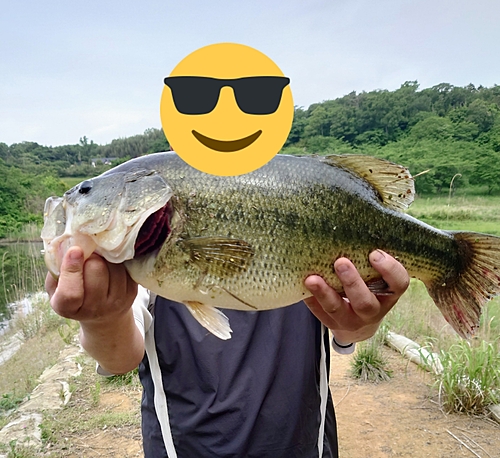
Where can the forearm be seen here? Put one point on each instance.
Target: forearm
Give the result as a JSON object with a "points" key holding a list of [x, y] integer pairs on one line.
{"points": [[117, 346]]}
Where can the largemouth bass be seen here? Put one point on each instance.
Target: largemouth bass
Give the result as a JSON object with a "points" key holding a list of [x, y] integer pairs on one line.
{"points": [[248, 242]]}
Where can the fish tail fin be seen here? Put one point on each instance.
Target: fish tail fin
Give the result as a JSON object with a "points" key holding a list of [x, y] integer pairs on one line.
{"points": [[462, 298]]}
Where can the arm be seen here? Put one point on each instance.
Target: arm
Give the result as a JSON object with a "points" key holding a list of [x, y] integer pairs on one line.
{"points": [[359, 317], [99, 295]]}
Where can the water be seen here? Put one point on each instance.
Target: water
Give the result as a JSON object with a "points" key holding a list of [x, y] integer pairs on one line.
{"points": [[22, 272]]}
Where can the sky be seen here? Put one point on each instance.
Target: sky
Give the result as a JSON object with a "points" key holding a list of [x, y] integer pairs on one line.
{"points": [[95, 68]]}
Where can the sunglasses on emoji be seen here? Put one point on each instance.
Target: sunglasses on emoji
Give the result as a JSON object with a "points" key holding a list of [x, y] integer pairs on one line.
{"points": [[257, 95]]}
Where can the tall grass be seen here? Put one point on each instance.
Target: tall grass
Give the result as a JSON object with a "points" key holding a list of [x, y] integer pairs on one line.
{"points": [[22, 271], [369, 363], [470, 380]]}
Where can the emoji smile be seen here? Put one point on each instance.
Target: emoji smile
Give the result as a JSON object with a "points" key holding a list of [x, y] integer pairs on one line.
{"points": [[226, 146]]}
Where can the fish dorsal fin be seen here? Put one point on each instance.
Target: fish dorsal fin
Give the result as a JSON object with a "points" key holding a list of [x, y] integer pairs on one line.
{"points": [[221, 255], [393, 182]]}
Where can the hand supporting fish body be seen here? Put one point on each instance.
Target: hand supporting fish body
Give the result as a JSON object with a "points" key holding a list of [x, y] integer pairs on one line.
{"points": [[248, 242]]}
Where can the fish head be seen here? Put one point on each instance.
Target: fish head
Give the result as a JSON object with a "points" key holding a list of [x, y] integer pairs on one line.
{"points": [[103, 215]]}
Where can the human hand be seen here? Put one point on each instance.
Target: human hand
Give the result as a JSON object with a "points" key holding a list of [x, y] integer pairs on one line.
{"points": [[358, 316], [90, 291]]}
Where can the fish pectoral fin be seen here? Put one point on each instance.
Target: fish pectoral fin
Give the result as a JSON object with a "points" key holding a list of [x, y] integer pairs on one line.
{"points": [[210, 318], [392, 182], [220, 255]]}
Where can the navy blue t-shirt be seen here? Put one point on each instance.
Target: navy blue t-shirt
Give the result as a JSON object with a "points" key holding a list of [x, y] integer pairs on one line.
{"points": [[261, 394]]}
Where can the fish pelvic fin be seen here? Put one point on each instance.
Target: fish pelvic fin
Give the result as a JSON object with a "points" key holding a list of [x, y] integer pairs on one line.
{"points": [[462, 298], [210, 318], [392, 182]]}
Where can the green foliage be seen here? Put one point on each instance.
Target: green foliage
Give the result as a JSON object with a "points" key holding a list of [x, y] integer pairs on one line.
{"points": [[129, 379], [444, 129], [369, 363], [470, 381], [10, 401]]}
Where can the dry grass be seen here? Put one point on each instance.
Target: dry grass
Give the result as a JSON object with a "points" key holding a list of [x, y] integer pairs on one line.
{"points": [[101, 412], [20, 373]]}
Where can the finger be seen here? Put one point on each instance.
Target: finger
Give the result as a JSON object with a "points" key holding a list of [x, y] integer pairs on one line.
{"points": [[121, 286], [325, 303], [96, 283], [393, 273], [363, 302], [325, 296], [69, 293], [50, 284]]}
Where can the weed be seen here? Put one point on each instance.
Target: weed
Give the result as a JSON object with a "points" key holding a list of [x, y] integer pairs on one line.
{"points": [[369, 363], [40, 319], [95, 393], [68, 330], [129, 379], [470, 380], [10, 401], [15, 450]]}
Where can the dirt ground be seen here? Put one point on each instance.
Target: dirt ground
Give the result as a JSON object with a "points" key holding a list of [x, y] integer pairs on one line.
{"points": [[399, 418]]}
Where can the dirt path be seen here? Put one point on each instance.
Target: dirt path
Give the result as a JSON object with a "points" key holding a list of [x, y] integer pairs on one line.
{"points": [[400, 419]]}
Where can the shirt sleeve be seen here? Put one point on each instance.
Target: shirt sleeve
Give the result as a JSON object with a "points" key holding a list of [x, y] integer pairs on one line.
{"points": [[142, 316]]}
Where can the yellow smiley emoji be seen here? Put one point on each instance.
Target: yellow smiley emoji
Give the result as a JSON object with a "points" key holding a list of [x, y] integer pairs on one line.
{"points": [[226, 109]]}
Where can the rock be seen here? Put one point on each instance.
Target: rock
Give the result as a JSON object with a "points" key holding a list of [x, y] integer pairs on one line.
{"points": [[52, 393]]}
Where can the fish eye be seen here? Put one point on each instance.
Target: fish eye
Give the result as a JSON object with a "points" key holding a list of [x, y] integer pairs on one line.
{"points": [[85, 187]]}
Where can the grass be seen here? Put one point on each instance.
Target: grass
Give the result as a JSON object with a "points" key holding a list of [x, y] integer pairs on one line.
{"points": [[475, 213], [369, 363], [86, 414], [42, 344], [470, 381]]}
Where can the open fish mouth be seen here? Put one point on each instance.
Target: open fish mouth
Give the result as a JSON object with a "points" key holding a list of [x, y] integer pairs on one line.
{"points": [[154, 231], [118, 216]]}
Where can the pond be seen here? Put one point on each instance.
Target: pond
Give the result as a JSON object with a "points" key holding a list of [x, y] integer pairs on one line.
{"points": [[22, 271]]}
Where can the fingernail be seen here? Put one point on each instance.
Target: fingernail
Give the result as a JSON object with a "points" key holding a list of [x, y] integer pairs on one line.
{"points": [[342, 268], [377, 256], [313, 288], [75, 255]]}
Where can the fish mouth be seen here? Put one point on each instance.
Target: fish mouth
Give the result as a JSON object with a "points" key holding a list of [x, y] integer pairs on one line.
{"points": [[229, 146], [154, 231]]}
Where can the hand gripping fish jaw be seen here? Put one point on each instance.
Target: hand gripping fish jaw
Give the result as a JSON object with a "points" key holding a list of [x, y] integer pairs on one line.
{"points": [[111, 215]]}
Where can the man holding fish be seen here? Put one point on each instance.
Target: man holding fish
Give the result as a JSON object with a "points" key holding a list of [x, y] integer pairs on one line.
{"points": [[262, 393]]}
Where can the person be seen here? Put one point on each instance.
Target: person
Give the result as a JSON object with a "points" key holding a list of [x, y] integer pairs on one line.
{"points": [[263, 393]]}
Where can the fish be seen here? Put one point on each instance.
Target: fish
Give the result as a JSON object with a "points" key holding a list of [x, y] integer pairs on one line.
{"points": [[248, 242]]}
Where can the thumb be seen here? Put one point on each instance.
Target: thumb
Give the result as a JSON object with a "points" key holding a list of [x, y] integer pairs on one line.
{"points": [[69, 293]]}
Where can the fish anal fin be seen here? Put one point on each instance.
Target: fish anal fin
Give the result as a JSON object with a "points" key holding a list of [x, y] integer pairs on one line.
{"points": [[222, 256], [210, 318], [379, 287], [392, 182]]}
